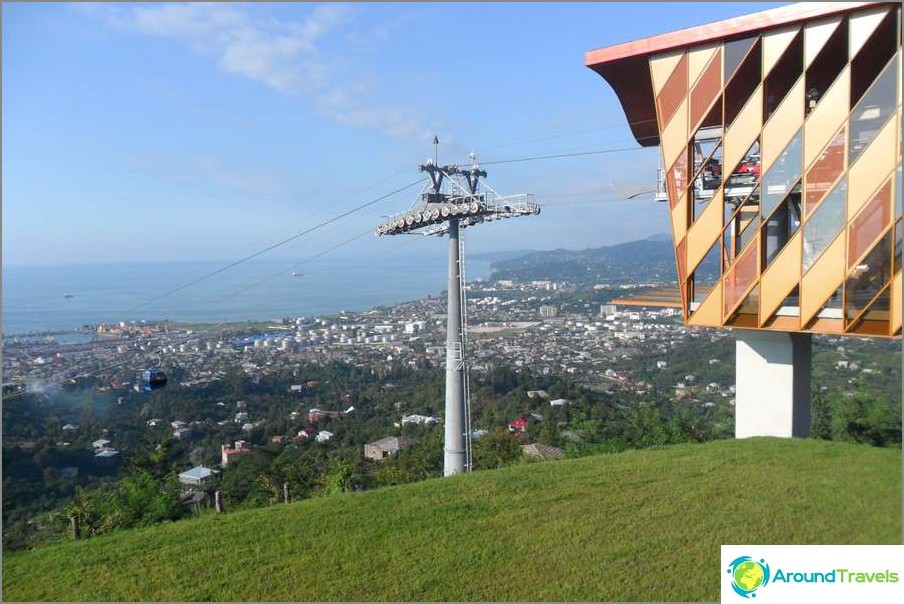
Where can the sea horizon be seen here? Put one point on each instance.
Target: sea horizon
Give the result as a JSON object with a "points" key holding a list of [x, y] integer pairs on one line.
{"points": [[40, 298]]}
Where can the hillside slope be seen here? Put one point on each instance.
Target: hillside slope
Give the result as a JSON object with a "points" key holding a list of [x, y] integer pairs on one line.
{"points": [[640, 525], [651, 259]]}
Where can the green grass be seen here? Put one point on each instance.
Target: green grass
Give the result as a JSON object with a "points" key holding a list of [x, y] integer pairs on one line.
{"points": [[640, 525]]}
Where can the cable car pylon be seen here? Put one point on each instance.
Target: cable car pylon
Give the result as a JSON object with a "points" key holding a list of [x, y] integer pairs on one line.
{"points": [[454, 199]]}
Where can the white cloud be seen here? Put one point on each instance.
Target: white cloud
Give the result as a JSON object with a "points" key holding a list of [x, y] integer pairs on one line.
{"points": [[283, 55]]}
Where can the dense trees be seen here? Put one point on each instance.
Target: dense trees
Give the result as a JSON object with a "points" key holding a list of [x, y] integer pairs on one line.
{"points": [[42, 474]]}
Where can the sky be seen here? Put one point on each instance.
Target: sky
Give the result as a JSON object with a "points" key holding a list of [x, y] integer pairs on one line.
{"points": [[161, 132]]}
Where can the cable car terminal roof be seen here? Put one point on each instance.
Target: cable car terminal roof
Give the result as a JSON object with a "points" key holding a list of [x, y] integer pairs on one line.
{"points": [[625, 66]]}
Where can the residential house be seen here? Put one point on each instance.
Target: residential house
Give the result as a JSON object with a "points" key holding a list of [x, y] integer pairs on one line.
{"points": [[419, 420], [386, 447], [198, 476], [518, 425], [229, 454]]}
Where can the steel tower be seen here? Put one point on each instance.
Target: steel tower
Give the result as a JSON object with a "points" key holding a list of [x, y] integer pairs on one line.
{"points": [[454, 199]]}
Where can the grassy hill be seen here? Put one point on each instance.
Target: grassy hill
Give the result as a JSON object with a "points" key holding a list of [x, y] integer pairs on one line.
{"points": [[640, 525]]}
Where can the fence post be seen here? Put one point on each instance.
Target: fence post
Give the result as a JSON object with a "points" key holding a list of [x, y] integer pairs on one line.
{"points": [[218, 502], [285, 492], [73, 524]]}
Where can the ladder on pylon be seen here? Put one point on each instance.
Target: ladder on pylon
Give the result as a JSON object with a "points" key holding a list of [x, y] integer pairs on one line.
{"points": [[464, 346]]}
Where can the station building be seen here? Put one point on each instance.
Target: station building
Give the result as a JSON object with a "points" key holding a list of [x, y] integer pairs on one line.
{"points": [[780, 139]]}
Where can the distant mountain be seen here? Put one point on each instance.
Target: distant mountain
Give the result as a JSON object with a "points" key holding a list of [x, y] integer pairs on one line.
{"points": [[659, 237], [500, 256], [650, 259]]}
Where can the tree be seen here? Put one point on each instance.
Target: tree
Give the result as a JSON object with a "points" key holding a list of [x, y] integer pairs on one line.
{"points": [[495, 450], [821, 419]]}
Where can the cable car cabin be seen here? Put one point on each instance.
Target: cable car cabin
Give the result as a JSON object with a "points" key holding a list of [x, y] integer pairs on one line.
{"points": [[153, 379]]}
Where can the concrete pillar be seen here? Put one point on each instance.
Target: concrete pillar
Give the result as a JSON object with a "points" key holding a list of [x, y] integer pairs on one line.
{"points": [[772, 383], [454, 448]]}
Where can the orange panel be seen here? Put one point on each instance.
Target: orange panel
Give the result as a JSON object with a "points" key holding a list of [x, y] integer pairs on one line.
{"points": [[681, 260], [829, 115], [774, 44], [741, 277], [676, 180], [782, 125], [782, 324], [827, 326], [744, 130], [679, 219], [896, 303], [705, 231], [872, 167], [661, 69], [697, 59], [673, 93], [674, 139], [781, 276], [821, 281], [706, 90], [869, 224], [816, 35], [709, 313], [828, 167]]}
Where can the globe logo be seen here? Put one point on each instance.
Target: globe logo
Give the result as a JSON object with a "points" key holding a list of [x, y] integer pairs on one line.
{"points": [[748, 575]]}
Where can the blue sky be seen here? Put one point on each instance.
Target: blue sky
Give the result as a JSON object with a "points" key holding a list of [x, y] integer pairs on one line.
{"points": [[158, 132]]}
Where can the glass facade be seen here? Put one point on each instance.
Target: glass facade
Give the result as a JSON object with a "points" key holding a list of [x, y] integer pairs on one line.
{"points": [[872, 220], [871, 113], [828, 85], [824, 225], [825, 171], [739, 278], [867, 279], [783, 174]]}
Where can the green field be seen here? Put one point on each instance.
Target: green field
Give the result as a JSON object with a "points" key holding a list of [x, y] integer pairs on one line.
{"points": [[640, 525]]}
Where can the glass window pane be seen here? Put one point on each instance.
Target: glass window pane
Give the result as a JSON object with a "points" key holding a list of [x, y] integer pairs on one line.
{"points": [[709, 178], [783, 223], [825, 170], [868, 278], [783, 174], [742, 181], [869, 223], [751, 304], [875, 319], [873, 110], [734, 53], [739, 277], [897, 265], [705, 275], [825, 223]]}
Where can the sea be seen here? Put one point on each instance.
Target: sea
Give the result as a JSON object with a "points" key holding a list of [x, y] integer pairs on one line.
{"points": [[37, 299]]}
